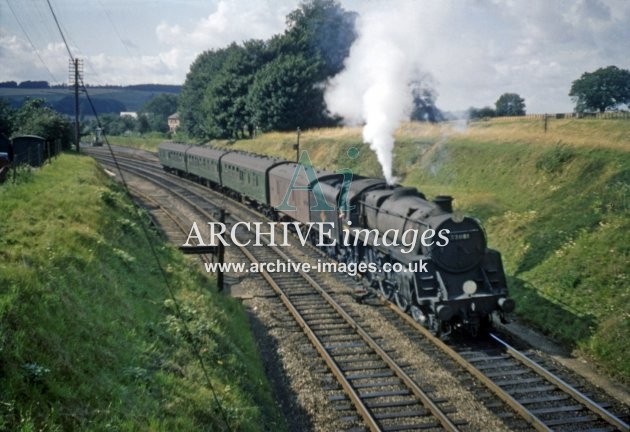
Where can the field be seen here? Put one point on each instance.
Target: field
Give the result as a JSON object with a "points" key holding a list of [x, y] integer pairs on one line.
{"points": [[90, 337], [145, 142], [555, 203]]}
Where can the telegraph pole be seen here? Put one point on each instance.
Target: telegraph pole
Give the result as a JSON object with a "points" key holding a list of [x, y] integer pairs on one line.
{"points": [[76, 75], [296, 146], [221, 252]]}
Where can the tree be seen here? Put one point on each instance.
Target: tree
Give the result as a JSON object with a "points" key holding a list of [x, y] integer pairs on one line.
{"points": [[143, 125], [155, 113], [6, 118], [480, 113], [320, 28], [510, 104], [34, 84], [162, 105], [226, 112], [114, 124], [225, 91], [35, 117], [213, 100], [283, 95], [322, 32], [201, 73], [424, 108], [605, 89]]}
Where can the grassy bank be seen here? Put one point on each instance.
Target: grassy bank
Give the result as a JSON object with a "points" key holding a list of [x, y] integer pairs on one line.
{"points": [[149, 141], [89, 337], [143, 142], [555, 203]]}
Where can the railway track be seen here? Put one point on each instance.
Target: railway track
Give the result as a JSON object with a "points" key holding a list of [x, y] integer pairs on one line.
{"points": [[386, 397], [382, 392], [536, 395]]}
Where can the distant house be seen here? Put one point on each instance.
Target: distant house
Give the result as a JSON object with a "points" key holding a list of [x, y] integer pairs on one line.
{"points": [[173, 122], [131, 114]]}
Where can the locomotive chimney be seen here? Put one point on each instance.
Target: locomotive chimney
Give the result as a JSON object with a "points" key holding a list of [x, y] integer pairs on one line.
{"points": [[444, 202]]}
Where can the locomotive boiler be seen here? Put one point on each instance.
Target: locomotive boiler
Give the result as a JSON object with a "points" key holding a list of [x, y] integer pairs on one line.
{"points": [[446, 278]]}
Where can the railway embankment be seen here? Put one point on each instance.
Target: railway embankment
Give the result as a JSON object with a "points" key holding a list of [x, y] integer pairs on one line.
{"points": [[91, 338], [553, 196]]}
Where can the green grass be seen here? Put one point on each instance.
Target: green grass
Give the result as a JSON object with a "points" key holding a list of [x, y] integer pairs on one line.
{"points": [[148, 142], [555, 204], [559, 215], [144, 142], [89, 338]]}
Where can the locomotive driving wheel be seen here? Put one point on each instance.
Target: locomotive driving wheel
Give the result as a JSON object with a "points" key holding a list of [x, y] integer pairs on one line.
{"points": [[401, 301], [385, 289], [402, 295]]}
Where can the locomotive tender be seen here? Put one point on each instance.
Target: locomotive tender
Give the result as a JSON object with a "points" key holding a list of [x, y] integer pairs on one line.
{"points": [[461, 282]]}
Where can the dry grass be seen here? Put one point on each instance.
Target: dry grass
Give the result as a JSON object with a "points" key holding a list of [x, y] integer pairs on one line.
{"points": [[588, 133], [321, 143]]}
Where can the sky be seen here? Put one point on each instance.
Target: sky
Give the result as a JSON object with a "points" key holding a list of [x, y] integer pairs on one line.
{"points": [[469, 51]]}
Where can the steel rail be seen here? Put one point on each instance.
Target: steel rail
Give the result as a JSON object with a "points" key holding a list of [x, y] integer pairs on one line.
{"points": [[370, 421], [409, 382], [564, 386], [537, 423], [347, 386], [498, 391], [531, 418], [319, 346]]}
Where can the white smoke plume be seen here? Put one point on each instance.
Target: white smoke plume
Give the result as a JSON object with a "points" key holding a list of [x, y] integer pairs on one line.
{"points": [[373, 89]]}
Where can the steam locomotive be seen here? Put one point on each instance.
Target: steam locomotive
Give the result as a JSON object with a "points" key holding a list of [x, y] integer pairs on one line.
{"points": [[460, 282]]}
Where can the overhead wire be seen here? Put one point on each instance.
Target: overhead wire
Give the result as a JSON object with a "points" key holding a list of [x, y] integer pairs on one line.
{"points": [[178, 310], [30, 41], [75, 46], [63, 37], [36, 10], [111, 22]]}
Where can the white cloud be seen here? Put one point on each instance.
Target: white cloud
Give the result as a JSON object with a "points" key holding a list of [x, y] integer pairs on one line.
{"points": [[25, 62], [177, 44], [474, 49], [168, 34], [232, 21]]}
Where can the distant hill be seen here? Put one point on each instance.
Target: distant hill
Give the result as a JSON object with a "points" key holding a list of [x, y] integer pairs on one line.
{"points": [[106, 99]]}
